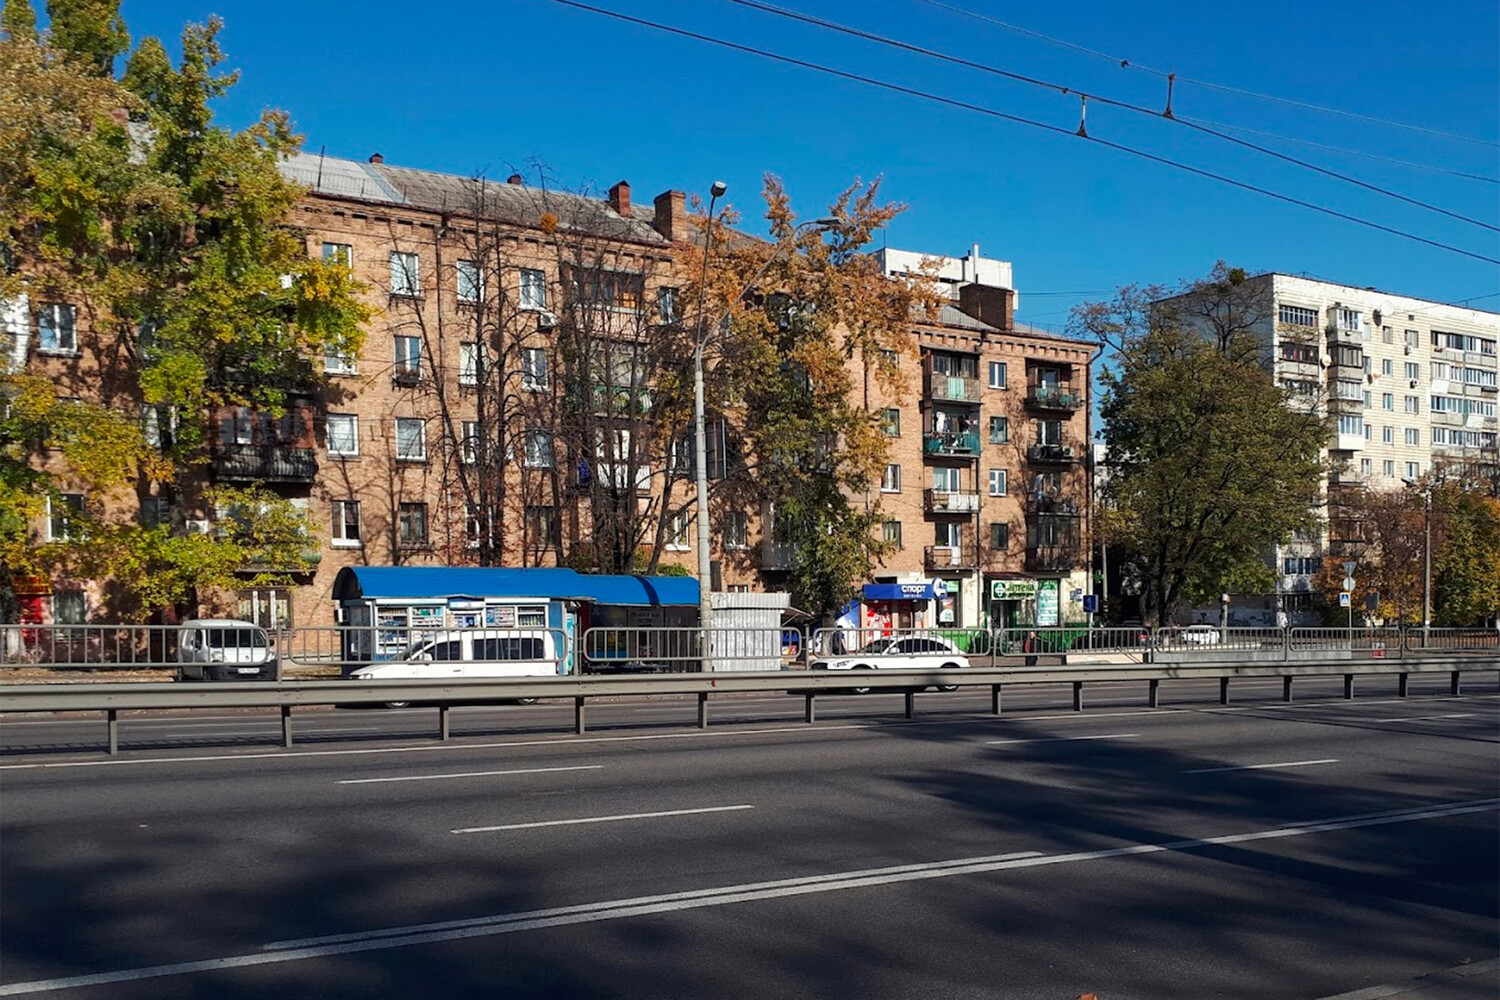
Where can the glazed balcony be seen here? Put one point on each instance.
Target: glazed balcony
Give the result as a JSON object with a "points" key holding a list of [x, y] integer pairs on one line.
{"points": [[264, 463], [1051, 454], [1054, 503]]}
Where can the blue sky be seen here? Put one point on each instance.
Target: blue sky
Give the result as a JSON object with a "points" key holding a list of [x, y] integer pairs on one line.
{"points": [[482, 87]]}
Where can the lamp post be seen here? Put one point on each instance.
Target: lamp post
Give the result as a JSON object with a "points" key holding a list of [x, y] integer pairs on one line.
{"points": [[700, 433], [1426, 492]]}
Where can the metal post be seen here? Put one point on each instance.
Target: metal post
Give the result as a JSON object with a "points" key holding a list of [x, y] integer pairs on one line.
{"points": [[1078, 696], [810, 714], [286, 725], [700, 443], [1153, 693], [1454, 687], [1348, 687], [1223, 690], [1427, 568], [578, 715], [911, 704], [995, 699], [1401, 685], [443, 723], [702, 709], [112, 725], [1286, 688]]}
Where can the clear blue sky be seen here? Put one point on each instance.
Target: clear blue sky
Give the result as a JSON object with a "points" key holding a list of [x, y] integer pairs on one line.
{"points": [[480, 87]]}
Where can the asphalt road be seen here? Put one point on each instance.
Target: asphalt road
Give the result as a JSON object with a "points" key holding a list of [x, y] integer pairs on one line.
{"points": [[1260, 850]]}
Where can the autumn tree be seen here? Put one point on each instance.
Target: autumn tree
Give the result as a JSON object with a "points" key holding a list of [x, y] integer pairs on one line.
{"points": [[1210, 462], [164, 240]]}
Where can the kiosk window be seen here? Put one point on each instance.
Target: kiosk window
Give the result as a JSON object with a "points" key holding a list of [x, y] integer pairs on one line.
{"points": [[531, 616]]}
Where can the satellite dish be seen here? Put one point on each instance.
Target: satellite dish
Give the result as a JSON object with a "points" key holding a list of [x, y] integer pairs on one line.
{"points": [[1325, 360]]}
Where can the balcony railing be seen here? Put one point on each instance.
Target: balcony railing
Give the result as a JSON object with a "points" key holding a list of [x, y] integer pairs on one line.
{"points": [[271, 463], [1053, 503], [1051, 454], [1051, 559], [949, 557], [951, 443], [1053, 396], [951, 388], [620, 400], [776, 557], [950, 502]]}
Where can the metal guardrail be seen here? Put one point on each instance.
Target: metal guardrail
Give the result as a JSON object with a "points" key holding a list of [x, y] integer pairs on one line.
{"points": [[444, 695]]}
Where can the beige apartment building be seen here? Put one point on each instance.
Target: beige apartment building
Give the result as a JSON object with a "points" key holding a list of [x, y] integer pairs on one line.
{"points": [[478, 426]]}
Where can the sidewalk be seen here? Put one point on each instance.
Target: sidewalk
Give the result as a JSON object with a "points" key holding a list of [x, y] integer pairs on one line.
{"points": [[1475, 981]]}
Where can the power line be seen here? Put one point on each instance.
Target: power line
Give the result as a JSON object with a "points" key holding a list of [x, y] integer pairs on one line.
{"points": [[992, 113], [1127, 64], [1086, 96]]}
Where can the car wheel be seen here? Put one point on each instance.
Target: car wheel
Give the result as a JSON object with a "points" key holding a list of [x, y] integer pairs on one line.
{"points": [[861, 690], [398, 704], [948, 687], [525, 701]]}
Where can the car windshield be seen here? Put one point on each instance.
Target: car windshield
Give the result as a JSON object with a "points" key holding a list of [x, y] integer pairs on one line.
{"points": [[878, 646]]}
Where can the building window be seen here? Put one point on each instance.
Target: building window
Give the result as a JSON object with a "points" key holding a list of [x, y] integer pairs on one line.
{"points": [[1386, 366], [346, 533], [948, 534], [892, 358], [890, 423], [997, 482], [61, 513], [1413, 371], [677, 531], [999, 536], [408, 356], [542, 531], [411, 439], [405, 278], [1386, 435], [1387, 401], [57, 329], [538, 450], [468, 445], [155, 511], [1365, 467], [479, 526], [666, 304], [533, 369], [1299, 565], [1049, 432], [1411, 338], [341, 252], [469, 281], [736, 530], [1413, 470], [533, 289], [997, 374], [470, 363], [343, 434], [337, 362], [1297, 315], [999, 430], [1353, 425], [1369, 432], [1413, 404], [890, 531], [69, 607], [1388, 468], [1412, 436], [1351, 319], [411, 525], [891, 481], [1305, 354]]}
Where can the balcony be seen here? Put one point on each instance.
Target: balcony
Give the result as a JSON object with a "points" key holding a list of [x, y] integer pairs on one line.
{"points": [[1053, 396], [949, 388], [950, 502], [265, 463], [959, 444], [620, 400], [1051, 559], [940, 558], [1053, 503], [1051, 454], [777, 558]]}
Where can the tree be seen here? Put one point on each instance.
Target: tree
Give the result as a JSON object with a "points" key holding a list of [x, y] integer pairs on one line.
{"points": [[168, 241], [1466, 557], [1210, 463], [811, 328]]}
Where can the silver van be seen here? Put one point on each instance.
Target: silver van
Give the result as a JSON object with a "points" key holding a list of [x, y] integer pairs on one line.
{"points": [[224, 649]]}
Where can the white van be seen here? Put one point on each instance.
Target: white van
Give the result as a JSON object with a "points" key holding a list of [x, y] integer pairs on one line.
{"points": [[224, 649], [471, 653]]}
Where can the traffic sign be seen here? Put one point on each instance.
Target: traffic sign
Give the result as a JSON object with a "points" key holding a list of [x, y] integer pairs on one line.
{"points": [[1348, 583], [1344, 599], [1349, 567], [1090, 604]]}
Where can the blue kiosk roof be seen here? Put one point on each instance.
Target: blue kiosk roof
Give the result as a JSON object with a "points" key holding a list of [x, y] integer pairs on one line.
{"points": [[356, 583]]}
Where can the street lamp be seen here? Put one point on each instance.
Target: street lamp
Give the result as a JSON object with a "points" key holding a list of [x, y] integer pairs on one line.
{"points": [[700, 433], [1426, 492]]}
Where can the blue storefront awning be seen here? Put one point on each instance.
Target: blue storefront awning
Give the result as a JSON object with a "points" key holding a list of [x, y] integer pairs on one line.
{"points": [[355, 583], [899, 592]]}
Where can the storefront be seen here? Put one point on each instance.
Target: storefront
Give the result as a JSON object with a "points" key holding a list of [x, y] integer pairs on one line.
{"points": [[896, 607]]}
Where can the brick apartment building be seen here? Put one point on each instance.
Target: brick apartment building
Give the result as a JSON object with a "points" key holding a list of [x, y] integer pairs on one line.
{"points": [[987, 480]]}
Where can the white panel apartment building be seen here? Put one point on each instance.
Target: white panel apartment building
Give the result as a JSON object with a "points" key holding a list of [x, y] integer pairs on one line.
{"points": [[1411, 383]]}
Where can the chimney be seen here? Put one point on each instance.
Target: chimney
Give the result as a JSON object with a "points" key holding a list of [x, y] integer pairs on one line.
{"points": [[619, 199], [514, 179], [376, 158], [988, 304], [672, 217]]}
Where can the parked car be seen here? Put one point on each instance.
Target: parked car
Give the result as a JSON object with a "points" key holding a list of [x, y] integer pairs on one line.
{"points": [[899, 653], [224, 649], [466, 654], [1199, 635]]}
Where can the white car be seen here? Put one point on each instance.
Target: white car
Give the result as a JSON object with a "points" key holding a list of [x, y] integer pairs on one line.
{"points": [[900, 653], [1199, 635]]}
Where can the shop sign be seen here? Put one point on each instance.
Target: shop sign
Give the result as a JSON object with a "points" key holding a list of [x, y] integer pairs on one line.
{"points": [[1046, 602], [1012, 590]]}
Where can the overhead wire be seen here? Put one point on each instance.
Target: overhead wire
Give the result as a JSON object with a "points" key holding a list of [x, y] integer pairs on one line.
{"points": [[993, 113], [1086, 96], [1129, 64]]}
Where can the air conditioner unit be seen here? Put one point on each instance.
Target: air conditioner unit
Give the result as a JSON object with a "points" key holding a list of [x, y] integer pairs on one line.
{"points": [[545, 320], [1406, 349], [1413, 383]]}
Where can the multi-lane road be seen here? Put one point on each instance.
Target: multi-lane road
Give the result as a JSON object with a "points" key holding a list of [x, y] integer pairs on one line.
{"points": [[1259, 850]]}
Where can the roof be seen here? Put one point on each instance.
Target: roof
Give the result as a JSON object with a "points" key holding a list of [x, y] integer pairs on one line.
{"points": [[447, 582], [429, 190]]}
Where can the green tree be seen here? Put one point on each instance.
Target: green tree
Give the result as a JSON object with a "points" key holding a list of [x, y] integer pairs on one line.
{"points": [[172, 236], [18, 20], [1466, 557], [1210, 463]]}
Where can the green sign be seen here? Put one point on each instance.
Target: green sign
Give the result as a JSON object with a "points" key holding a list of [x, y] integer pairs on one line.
{"points": [[1046, 602], [1012, 590]]}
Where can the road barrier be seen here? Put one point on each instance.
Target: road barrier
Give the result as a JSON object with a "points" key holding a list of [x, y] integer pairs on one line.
{"points": [[111, 699]]}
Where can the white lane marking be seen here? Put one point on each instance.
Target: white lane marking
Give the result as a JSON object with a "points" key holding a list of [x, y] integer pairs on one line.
{"points": [[470, 774], [1427, 718], [801, 729], [1262, 767], [599, 819], [1063, 739], [645, 905]]}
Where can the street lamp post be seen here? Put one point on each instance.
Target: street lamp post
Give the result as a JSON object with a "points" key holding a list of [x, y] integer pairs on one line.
{"points": [[700, 434], [1426, 492]]}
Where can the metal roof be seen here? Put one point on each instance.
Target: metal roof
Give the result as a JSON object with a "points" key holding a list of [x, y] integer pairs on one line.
{"points": [[475, 582]]}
